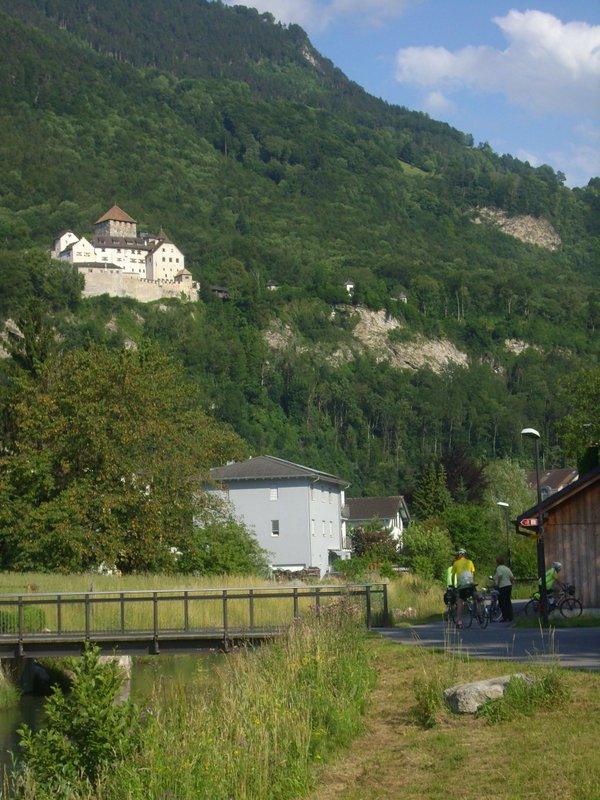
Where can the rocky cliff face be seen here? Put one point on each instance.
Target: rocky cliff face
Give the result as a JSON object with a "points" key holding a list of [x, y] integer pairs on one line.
{"points": [[371, 335], [528, 229]]}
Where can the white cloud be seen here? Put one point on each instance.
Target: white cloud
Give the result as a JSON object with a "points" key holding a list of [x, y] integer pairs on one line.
{"points": [[437, 103], [547, 66], [302, 12], [317, 14]]}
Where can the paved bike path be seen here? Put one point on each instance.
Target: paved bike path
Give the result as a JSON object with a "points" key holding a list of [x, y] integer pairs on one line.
{"points": [[573, 647]]}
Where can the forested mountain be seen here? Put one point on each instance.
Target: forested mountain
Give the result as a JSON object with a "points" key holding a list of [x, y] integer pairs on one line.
{"points": [[264, 162]]}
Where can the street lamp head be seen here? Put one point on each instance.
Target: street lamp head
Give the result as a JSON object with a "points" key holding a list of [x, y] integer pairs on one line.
{"points": [[530, 432], [501, 503]]}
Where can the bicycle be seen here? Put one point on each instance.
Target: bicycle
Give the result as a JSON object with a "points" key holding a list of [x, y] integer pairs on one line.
{"points": [[493, 610], [566, 603], [473, 608]]}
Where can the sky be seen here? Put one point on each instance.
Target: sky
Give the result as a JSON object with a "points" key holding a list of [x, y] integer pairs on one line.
{"points": [[525, 78]]}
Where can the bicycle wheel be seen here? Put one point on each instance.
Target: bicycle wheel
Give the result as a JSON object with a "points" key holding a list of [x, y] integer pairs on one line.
{"points": [[495, 614], [570, 607], [532, 609], [467, 615], [482, 617]]}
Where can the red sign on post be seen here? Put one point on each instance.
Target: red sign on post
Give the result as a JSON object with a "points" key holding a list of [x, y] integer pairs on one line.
{"points": [[529, 522]]}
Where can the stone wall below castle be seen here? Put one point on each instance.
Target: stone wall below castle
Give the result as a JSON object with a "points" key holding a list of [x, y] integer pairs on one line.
{"points": [[127, 285]]}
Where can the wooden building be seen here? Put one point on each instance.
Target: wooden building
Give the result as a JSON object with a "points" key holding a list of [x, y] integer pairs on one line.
{"points": [[572, 534]]}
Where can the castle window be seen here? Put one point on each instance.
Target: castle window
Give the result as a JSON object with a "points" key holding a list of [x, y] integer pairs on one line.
{"points": [[170, 260]]}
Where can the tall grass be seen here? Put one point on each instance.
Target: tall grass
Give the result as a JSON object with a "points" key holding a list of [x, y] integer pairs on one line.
{"points": [[9, 694], [256, 729], [412, 598]]}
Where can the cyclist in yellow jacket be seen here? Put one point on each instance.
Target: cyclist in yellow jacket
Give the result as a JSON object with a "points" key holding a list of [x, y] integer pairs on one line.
{"points": [[463, 572]]}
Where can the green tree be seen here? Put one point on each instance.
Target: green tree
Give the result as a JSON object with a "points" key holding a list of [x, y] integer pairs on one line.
{"points": [[427, 549], [469, 527], [105, 461], [431, 497], [579, 429]]}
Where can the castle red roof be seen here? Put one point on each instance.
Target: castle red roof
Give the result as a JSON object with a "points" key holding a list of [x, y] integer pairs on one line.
{"points": [[115, 213]]}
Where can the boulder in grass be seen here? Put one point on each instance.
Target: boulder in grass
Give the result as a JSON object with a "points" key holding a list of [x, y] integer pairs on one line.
{"points": [[467, 698]]}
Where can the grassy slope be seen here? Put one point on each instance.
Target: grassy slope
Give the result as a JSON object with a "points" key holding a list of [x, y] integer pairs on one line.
{"points": [[553, 753]]}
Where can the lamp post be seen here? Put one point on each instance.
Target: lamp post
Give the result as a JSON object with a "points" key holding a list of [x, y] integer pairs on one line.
{"points": [[505, 506], [531, 433]]}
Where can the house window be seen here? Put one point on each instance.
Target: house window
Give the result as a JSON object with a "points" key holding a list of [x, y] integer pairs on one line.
{"points": [[330, 529], [324, 528], [273, 493], [274, 527], [312, 527], [170, 260], [331, 496]]}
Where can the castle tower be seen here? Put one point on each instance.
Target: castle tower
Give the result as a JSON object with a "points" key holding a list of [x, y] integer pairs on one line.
{"points": [[116, 223]]}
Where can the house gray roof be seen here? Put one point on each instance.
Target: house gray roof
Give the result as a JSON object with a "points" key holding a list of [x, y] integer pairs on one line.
{"points": [[364, 508], [270, 468], [555, 479]]}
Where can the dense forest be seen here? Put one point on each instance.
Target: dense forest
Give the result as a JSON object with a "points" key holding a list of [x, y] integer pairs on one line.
{"points": [[265, 163]]}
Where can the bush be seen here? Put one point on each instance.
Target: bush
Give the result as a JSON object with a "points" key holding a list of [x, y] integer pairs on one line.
{"points": [[427, 550], [375, 541], [85, 730]]}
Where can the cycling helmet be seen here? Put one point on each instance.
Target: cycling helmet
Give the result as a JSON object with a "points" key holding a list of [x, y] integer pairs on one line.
{"points": [[462, 552], [557, 566]]}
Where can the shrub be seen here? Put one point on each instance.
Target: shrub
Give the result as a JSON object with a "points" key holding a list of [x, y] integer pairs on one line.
{"points": [[375, 541], [85, 730]]}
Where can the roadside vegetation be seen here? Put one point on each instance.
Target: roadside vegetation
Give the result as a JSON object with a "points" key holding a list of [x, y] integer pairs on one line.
{"points": [[414, 748], [254, 731]]}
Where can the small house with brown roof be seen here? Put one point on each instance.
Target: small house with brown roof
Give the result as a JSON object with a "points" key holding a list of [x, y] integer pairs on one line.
{"points": [[572, 533], [391, 511], [552, 480]]}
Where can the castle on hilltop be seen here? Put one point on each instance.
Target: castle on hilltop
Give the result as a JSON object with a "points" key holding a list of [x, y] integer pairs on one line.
{"points": [[119, 262]]}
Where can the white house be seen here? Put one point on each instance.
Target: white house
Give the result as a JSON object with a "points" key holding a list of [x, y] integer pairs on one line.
{"points": [[392, 512], [164, 261], [294, 511]]}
